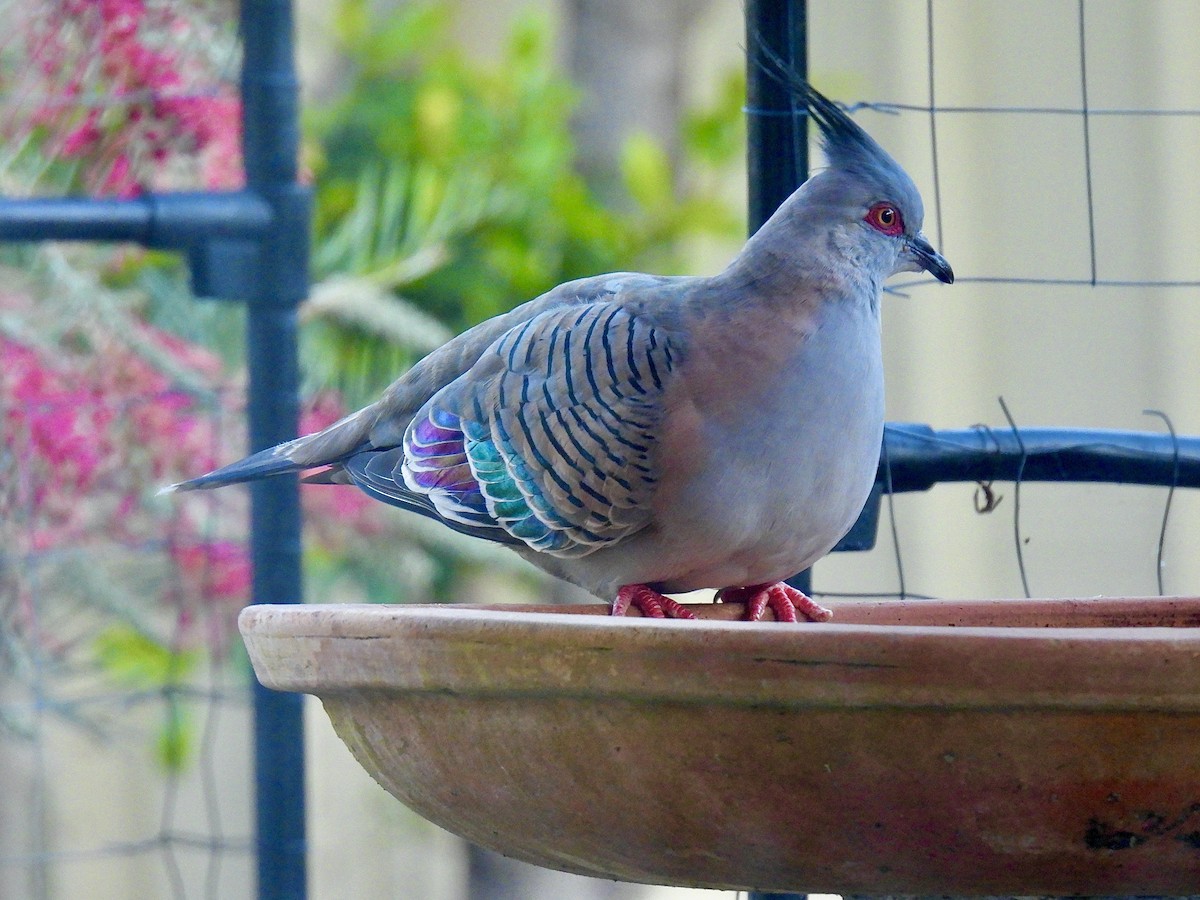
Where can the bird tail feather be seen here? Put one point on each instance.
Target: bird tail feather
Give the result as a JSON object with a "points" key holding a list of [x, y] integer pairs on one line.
{"points": [[264, 464], [325, 448]]}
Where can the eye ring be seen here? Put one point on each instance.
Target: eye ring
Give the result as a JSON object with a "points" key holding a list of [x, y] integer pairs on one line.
{"points": [[885, 218]]}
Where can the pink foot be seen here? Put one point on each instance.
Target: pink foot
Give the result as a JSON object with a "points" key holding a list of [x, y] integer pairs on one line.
{"points": [[783, 599], [651, 603]]}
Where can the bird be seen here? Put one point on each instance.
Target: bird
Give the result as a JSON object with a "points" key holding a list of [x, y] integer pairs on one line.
{"points": [[643, 435]]}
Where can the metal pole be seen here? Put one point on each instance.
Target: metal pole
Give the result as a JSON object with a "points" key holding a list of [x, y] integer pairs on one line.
{"points": [[777, 140], [776, 126], [270, 146], [920, 457]]}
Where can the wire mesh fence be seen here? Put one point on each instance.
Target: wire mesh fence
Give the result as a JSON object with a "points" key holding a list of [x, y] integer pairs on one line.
{"points": [[123, 703], [1046, 140], [122, 709]]}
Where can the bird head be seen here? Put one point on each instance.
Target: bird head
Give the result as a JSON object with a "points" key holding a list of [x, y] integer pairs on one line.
{"points": [[865, 197], [875, 203]]}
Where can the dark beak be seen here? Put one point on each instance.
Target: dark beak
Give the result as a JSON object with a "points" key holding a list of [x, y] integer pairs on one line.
{"points": [[930, 260]]}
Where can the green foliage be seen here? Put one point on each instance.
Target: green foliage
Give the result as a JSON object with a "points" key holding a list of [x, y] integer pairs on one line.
{"points": [[451, 186], [717, 134], [134, 659]]}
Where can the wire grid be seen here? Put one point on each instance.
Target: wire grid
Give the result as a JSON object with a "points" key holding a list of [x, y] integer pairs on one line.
{"points": [[1045, 167], [1086, 116], [117, 624], [118, 695], [123, 695]]}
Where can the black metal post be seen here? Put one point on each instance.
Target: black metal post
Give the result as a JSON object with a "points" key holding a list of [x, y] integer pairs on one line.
{"points": [[776, 142], [270, 93], [776, 126], [920, 457]]}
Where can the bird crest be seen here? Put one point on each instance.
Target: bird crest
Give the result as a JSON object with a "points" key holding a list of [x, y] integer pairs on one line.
{"points": [[846, 145]]}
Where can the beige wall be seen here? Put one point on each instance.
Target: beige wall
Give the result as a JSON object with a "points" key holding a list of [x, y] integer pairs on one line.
{"points": [[1014, 203], [92, 803]]}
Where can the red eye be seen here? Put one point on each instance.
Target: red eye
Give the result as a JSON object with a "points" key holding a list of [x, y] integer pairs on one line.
{"points": [[886, 218]]}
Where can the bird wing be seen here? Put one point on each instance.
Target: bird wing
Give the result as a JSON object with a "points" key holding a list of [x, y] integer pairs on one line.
{"points": [[382, 425], [547, 440]]}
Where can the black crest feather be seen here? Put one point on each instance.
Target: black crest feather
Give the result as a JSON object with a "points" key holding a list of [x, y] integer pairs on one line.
{"points": [[845, 143]]}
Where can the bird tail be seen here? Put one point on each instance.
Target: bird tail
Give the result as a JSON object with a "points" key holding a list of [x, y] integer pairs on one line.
{"points": [[264, 464], [322, 449]]}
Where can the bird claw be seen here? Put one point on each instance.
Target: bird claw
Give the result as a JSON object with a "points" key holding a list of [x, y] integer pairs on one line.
{"points": [[785, 601], [651, 603]]}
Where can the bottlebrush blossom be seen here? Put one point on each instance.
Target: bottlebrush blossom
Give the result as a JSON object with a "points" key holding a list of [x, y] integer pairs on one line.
{"points": [[220, 567], [127, 89], [92, 428], [90, 433]]}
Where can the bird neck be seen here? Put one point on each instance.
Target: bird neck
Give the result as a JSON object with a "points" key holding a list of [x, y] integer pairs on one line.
{"points": [[814, 243], [790, 268]]}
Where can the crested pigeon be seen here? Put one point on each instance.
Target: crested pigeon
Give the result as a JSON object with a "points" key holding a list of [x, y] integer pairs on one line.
{"points": [[640, 435]]}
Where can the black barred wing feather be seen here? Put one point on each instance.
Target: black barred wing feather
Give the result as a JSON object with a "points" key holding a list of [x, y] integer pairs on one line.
{"points": [[551, 436]]}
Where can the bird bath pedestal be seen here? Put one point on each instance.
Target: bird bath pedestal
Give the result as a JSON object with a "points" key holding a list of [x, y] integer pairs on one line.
{"points": [[927, 747]]}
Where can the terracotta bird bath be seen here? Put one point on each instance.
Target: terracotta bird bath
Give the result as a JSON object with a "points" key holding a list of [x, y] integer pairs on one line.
{"points": [[930, 747]]}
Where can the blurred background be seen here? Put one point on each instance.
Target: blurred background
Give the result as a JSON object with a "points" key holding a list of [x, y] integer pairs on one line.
{"points": [[466, 156]]}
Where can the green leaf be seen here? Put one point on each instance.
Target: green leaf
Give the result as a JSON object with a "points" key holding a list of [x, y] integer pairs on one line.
{"points": [[408, 30], [646, 171], [716, 135], [175, 744], [133, 658]]}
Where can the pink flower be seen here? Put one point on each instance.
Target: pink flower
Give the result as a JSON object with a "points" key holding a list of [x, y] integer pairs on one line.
{"points": [[219, 569], [193, 356], [120, 181], [340, 505], [122, 16], [93, 426], [83, 138], [173, 122], [321, 411]]}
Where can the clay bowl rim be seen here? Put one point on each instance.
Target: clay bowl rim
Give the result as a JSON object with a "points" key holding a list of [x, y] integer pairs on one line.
{"points": [[1079, 653]]}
